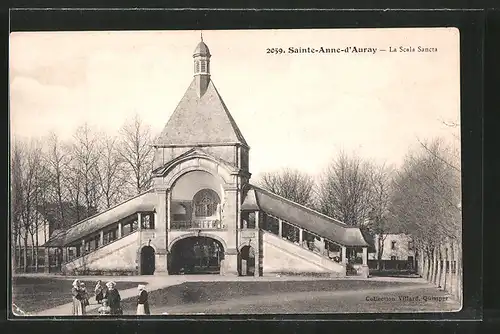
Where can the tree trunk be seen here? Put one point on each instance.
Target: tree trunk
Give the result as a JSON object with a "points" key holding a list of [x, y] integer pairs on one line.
{"points": [[14, 251], [25, 252], [459, 272], [36, 253], [450, 274], [18, 251], [439, 267], [33, 247], [431, 266], [445, 268], [434, 265]]}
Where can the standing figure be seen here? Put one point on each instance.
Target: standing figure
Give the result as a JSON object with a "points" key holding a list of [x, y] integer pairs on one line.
{"points": [[100, 291], [85, 297], [114, 299], [78, 308], [142, 301]]}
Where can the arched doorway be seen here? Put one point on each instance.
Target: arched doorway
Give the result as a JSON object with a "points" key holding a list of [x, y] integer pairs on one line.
{"points": [[247, 256], [196, 255], [147, 260]]}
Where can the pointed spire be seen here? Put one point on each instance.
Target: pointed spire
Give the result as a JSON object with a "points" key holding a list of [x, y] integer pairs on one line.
{"points": [[201, 35]]}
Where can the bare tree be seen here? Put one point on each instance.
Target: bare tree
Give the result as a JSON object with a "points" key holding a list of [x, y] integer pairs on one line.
{"points": [[30, 183], [344, 191], [291, 184], [137, 151], [110, 172], [85, 157], [426, 202], [57, 159], [379, 222], [17, 198]]}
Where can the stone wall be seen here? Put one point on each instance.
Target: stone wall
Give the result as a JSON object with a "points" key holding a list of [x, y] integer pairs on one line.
{"points": [[118, 256], [280, 256]]}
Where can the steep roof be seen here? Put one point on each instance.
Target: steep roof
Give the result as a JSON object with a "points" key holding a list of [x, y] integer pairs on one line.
{"points": [[143, 202], [308, 219], [201, 120]]}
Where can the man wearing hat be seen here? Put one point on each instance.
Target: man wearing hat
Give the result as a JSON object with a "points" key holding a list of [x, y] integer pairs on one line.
{"points": [[114, 299], [142, 300]]}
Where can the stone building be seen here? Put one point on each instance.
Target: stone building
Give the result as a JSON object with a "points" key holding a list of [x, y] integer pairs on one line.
{"points": [[202, 214]]}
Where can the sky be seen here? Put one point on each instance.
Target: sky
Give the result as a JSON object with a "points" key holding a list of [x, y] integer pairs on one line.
{"points": [[295, 110]]}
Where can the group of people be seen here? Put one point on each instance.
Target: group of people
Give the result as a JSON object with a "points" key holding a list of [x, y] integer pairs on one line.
{"points": [[108, 296]]}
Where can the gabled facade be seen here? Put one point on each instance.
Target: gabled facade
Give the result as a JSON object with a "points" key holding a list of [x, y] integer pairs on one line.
{"points": [[202, 214]]}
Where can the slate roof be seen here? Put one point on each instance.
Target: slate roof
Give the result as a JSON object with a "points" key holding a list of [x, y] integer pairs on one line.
{"points": [[142, 202], [201, 48], [250, 201], [308, 219], [201, 120]]}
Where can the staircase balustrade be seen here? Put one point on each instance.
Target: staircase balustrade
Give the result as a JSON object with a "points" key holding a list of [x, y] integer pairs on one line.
{"points": [[306, 247], [201, 224]]}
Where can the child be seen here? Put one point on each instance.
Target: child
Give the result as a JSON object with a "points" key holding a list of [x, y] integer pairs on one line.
{"points": [[85, 295], [104, 309]]}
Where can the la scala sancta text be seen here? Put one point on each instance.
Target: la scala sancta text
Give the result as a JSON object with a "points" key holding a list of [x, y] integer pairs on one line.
{"points": [[413, 49]]}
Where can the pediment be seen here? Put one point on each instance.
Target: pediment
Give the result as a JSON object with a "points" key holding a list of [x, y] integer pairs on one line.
{"points": [[192, 154]]}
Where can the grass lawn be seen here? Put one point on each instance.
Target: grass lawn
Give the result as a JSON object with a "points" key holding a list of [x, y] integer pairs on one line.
{"points": [[314, 302], [258, 297], [35, 294]]}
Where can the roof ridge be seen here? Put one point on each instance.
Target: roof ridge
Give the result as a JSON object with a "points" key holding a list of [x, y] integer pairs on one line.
{"points": [[161, 135], [236, 129], [201, 119], [100, 213], [333, 220]]}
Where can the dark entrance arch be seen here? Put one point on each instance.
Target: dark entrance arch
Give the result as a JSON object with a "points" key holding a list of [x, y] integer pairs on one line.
{"points": [[147, 260], [196, 255], [247, 256]]}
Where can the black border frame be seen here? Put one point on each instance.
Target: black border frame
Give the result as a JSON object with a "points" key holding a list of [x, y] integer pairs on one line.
{"points": [[471, 24]]}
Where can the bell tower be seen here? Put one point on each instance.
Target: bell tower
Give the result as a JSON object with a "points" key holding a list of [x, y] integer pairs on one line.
{"points": [[201, 57]]}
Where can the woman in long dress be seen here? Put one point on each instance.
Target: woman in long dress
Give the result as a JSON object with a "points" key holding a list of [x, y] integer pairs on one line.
{"points": [[100, 291], [85, 297], [114, 299], [78, 308], [142, 301]]}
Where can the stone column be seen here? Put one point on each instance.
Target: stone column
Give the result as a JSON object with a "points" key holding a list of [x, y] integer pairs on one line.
{"points": [[365, 256], [101, 238], [47, 262], [280, 228], [257, 245], [161, 234], [301, 232], [169, 208], [365, 271], [119, 230], [65, 254], [56, 257], [139, 221], [230, 263], [83, 247], [344, 254]]}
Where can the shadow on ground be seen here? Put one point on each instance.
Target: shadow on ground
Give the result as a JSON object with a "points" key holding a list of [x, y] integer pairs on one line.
{"points": [[192, 295], [35, 294]]}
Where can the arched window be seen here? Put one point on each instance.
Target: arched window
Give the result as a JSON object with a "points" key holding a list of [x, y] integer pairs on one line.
{"points": [[205, 203], [203, 66]]}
